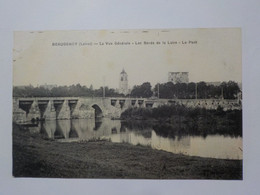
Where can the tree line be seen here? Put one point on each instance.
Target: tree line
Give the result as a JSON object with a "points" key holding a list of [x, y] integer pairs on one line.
{"points": [[169, 90], [64, 91], [201, 90]]}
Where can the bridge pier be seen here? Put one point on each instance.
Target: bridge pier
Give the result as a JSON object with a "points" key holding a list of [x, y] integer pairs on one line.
{"points": [[42, 104], [50, 112], [34, 112], [133, 103], [82, 110], [19, 115], [140, 103], [72, 104], [64, 111], [117, 105]]}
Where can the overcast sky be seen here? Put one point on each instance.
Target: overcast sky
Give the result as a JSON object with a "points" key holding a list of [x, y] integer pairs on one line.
{"points": [[212, 55]]}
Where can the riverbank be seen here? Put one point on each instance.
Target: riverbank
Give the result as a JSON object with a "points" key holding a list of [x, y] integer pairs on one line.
{"points": [[34, 156]]}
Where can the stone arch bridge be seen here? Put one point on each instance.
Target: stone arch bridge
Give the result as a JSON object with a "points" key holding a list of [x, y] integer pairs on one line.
{"points": [[52, 108]]}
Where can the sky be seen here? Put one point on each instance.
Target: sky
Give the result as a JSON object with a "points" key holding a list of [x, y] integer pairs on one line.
{"points": [[95, 57]]}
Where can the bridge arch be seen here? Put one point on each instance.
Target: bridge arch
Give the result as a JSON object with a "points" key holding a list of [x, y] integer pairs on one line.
{"points": [[98, 111]]}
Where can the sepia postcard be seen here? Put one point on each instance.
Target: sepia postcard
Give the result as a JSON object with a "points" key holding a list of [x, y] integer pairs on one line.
{"points": [[135, 104]]}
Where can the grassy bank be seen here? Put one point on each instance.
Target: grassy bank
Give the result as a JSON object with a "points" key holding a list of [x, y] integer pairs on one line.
{"points": [[34, 156]]}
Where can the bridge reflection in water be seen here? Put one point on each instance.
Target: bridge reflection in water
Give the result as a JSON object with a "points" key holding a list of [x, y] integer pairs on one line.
{"points": [[215, 146]]}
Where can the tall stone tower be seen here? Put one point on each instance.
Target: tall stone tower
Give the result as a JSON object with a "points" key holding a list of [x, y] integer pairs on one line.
{"points": [[123, 83]]}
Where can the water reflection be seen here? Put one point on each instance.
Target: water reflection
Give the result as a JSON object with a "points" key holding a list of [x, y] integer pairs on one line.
{"points": [[215, 146], [50, 128], [63, 128]]}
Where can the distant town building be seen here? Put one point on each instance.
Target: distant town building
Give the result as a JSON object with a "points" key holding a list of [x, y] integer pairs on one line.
{"points": [[178, 77], [49, 87], [123, 83]]}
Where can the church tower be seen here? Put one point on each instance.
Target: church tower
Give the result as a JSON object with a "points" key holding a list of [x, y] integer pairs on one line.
{"points": [[123, 83]]}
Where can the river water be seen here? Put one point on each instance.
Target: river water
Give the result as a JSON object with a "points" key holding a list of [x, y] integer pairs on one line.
{"points": [[215, 146]]}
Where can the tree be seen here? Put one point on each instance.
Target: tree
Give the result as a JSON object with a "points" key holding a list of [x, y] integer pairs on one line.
{"points": [[230, 89], [202, 90], [191, 90], [143, 90]]}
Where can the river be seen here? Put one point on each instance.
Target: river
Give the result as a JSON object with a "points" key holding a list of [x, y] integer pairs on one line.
{"points": [[215, 146]]}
